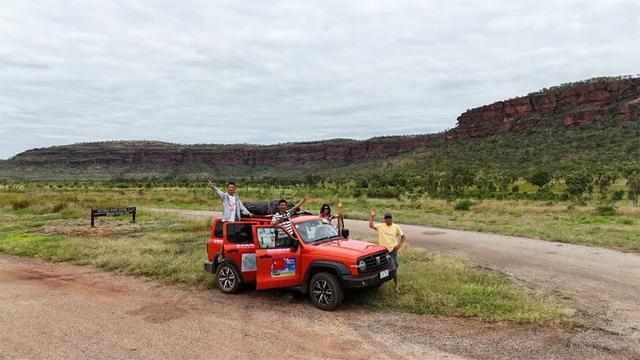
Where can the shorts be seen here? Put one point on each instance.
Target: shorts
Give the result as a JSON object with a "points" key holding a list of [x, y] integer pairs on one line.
{"points": [[394, 260]]}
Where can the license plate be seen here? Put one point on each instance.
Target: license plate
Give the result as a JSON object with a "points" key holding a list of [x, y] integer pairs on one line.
{"points": [[384, 274]]}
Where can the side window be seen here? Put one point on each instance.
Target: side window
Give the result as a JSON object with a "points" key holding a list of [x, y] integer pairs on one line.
{"points": [[239, 234], [283, 239], [266, 238], [217, 232], [271, 238]]}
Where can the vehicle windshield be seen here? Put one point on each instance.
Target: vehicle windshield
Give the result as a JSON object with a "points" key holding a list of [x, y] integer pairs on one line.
{"points": [[316, 230]]}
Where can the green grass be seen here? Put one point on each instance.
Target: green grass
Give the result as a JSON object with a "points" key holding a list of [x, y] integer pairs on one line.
{"points": [[171, 250], [554, 221], [444, 285]]}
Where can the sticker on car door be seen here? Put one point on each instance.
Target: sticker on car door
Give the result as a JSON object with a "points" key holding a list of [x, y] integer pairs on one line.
{"points": [[249, 262], [283, 267]]}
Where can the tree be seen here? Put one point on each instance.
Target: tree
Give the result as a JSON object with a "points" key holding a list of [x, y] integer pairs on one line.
{"points": [[456, 180], [604, 180], [504, 181], [633, 182], [539, 178], [311, 179], [432, 182], [486, 184], [577, 183]]}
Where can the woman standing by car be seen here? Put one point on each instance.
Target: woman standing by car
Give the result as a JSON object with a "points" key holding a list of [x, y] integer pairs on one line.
{"points": [[325, 212]]}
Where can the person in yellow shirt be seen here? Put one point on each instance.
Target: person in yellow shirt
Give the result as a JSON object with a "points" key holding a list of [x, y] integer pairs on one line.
{"points": [[388, 234]]}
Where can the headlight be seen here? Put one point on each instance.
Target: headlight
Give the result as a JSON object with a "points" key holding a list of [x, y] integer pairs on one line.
{"points": [[388, 257], [362, 266]]}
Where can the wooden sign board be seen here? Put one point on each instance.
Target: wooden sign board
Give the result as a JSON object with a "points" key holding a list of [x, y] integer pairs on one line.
{"points": [[113, 212]]}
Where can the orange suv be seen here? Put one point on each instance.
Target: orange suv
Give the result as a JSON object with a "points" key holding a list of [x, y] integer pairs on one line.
{"points": [[316, 259]]}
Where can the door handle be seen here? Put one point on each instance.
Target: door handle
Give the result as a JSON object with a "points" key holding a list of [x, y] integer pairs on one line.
{"points": [[232, 251], [265, 256]]}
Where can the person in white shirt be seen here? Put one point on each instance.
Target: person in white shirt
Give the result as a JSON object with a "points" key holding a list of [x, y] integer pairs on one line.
{"points": [[231, 205]]}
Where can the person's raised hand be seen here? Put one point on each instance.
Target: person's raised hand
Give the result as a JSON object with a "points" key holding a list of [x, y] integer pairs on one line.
{"points": [[373, 212], [306, 197], [340, 204], [210, 183]]}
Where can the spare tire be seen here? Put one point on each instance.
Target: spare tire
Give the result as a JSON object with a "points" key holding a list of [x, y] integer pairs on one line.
{"points": [[273, 206], [258, 207]]}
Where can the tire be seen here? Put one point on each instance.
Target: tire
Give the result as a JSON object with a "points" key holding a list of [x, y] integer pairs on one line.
{"points": [[227, 278], [325, 291]]}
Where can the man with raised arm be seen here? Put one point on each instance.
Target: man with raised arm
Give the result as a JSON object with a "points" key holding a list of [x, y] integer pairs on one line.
{"points": [[283, 216], [231, 206], [388, 234]]}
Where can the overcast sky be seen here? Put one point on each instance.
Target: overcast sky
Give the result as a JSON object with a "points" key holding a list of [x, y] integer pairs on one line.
{"points": [[277, 71]]}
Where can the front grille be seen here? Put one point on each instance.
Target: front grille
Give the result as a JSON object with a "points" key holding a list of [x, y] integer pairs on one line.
{"points": [[376, 262]]}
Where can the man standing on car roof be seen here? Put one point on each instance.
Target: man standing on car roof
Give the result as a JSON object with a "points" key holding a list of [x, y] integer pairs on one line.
{"points": [[231, 206], [283, 216], [388, 234]]}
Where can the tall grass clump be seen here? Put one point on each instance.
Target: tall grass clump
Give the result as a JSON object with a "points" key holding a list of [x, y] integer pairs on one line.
{"points": [[20, 204], [606, 210], [463, 205]]}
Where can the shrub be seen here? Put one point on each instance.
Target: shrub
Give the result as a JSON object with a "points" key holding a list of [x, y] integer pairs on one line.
{"points": [[20, 204], [606, 210], [58, 207], [617, 195], [383, 193], [463, 205], [539, 178], [577, 183]]}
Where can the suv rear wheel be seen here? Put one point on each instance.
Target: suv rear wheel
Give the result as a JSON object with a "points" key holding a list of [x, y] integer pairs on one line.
{"points": [[325, 291], [227, 278]]}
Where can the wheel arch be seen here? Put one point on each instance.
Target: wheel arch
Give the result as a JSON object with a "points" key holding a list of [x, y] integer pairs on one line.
{"points": [[231, 263], [334, 267]]}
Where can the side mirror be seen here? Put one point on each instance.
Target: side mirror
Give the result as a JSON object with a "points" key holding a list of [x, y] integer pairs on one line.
{"points": [[345, 233]]}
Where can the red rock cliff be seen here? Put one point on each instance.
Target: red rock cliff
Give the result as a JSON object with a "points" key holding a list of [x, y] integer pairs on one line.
{"points": [[571, 105]]}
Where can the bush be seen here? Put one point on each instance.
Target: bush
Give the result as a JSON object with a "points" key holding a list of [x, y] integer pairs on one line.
{"points": [[383, 193], [539, 178], [617, 195], [58, 207], [463, 205], [577, 183], [606, 210], [20, 204]]}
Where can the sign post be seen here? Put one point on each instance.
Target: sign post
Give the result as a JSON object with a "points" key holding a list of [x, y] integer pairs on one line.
{"points": [[113, 212]]}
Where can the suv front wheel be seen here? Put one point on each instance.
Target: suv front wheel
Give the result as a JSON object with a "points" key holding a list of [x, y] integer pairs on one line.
{"points": [[325, 291], [227, 278]]}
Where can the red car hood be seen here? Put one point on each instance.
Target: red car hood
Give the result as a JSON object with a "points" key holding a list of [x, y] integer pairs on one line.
{"points": [[350, 248]]}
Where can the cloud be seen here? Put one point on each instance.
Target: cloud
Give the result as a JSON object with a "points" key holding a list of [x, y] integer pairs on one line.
{"points": [[276, 71]]}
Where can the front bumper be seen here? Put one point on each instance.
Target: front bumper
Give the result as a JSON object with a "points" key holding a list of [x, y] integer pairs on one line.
{"points": [[365, 281]]}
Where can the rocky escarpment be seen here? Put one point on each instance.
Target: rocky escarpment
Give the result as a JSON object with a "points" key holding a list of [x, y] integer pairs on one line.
{"points": [[570, 105], [123, 153]]}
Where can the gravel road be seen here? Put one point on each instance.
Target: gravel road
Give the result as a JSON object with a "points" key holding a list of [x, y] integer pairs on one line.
{"points": [[61, 311]]}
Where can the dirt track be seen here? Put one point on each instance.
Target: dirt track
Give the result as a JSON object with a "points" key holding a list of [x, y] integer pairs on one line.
{"points": [[62, 311]]}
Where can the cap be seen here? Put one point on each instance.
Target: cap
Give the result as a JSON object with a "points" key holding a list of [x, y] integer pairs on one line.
{"points": [[388, 215]]}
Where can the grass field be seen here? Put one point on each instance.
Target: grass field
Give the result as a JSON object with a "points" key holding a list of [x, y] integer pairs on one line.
{"points": [[578, 223], [52, 224]]}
